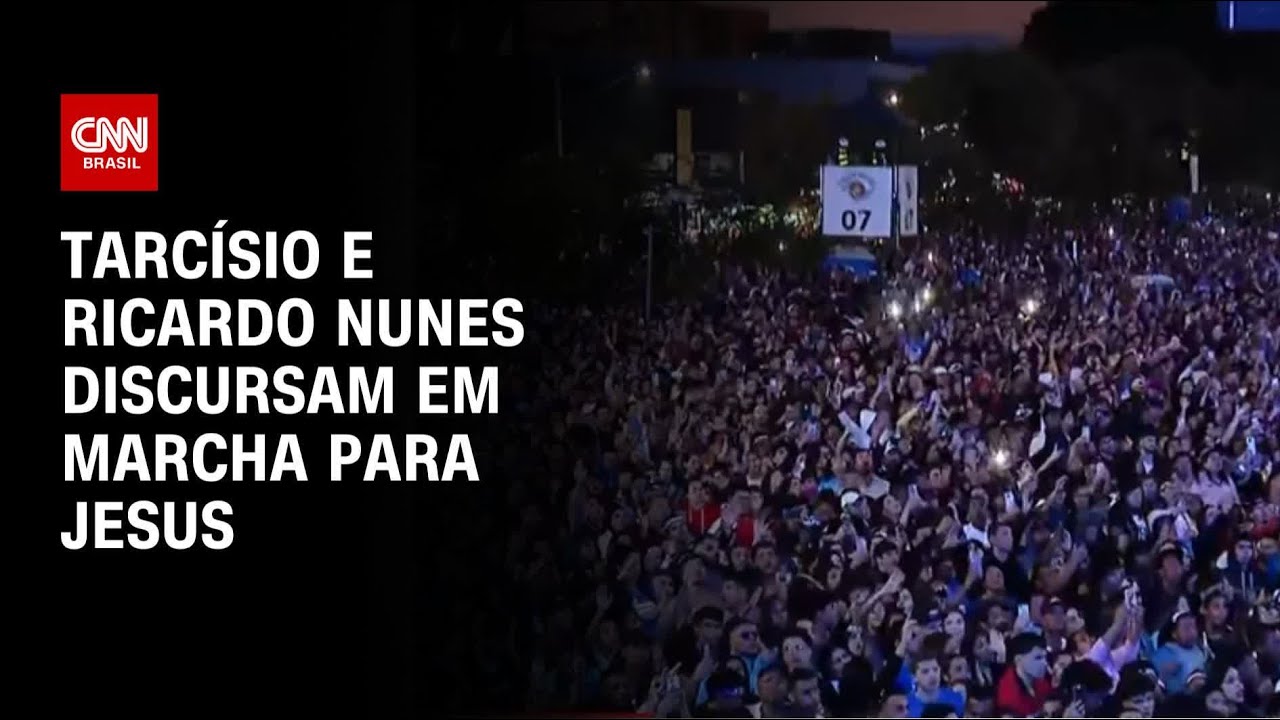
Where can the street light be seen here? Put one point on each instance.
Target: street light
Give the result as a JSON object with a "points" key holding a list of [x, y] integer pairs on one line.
{"points": [[644, 72], [892, 101], [648, 274]]}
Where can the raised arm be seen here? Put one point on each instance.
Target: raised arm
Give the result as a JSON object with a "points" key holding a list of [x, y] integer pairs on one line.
{"points": [[1102, 646]]}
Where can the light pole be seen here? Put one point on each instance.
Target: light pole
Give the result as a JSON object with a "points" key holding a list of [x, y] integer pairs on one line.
{"points": [[893, 101], [559, 100], [641, 74], [648, 275]]}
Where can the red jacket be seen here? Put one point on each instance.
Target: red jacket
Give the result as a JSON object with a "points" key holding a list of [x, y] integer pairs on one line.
{"points": [[1012, 695], [701, 519], [744, 533], [1268, 529]]}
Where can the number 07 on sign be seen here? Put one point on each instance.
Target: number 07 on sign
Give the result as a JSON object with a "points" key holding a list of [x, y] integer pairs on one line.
{"points": [[857, 201]]}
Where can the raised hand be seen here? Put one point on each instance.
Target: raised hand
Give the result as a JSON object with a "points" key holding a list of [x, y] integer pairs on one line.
{"points": [[706, 665], [895, 580]]}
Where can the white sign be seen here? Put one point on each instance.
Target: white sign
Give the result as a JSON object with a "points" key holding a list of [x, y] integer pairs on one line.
{"points": [[908, 201], [857, 201]]}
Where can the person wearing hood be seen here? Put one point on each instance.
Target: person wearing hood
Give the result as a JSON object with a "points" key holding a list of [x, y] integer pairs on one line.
{"points": [[1241, 572]]}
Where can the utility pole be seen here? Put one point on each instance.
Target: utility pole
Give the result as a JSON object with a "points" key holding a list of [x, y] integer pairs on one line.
{"points": [[648, 276], [559, 118], [893, 101], [896, 214]]}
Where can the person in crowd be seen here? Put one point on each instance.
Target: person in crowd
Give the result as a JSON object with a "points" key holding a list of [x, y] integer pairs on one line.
{"points": [[1182, 656], [894, 705], [804, 695], [1225, 695], [1025, 685], [773, 691], [726, 697], [1136, 694], [929, 689]]}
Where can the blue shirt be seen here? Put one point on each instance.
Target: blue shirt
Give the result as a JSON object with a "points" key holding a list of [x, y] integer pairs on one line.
{"points": [[946, 696], [906, 680], [755, 664], [1186, 660], [916, 348]]}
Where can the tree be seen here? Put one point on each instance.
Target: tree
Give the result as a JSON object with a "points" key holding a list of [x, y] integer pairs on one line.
{"points": [[1240, 143], [1135, 111], [1077, 34], [783, 146], [555, 225], [1145, 76], [1088, 132], [999, 112]]}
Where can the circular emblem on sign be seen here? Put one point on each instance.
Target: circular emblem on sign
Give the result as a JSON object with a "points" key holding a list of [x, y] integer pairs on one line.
{"points": [[859, 186]]}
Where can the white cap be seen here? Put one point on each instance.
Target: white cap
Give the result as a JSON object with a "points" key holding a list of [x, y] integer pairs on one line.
{"points": [[849, 497]]}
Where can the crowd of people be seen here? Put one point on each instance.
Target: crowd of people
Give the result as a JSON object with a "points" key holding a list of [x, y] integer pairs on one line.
{"points": [[1032, 479]]}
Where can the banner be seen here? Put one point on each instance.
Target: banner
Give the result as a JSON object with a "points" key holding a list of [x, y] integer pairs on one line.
{"points": [[908, 201], [857, 201]]}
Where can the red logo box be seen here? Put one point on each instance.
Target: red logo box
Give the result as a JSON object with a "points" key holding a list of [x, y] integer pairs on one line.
{"points": [[109, 143]]}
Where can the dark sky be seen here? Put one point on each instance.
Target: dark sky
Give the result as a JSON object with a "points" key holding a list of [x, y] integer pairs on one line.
{"points": [[1002, 19]]}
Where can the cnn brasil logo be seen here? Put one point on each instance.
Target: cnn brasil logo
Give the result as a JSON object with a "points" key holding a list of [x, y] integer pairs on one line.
{"points": [[109, 143]]}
